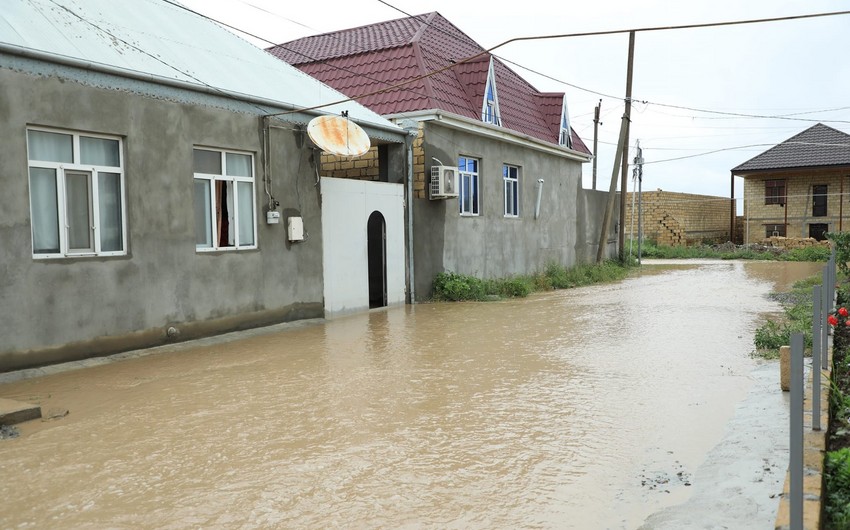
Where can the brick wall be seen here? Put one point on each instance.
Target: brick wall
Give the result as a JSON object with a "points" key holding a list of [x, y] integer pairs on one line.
{"points": [[367, 166], [798, 206], [671, 218], [420, 182], [364, 167]]}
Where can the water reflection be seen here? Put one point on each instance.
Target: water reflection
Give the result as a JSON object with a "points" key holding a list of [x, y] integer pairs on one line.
{"points": [[535, 413]]}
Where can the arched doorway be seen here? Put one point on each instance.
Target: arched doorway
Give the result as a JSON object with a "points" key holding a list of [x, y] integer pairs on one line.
{"points": [[376, 243]]}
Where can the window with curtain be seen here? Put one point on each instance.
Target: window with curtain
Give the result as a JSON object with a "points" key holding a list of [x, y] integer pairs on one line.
{"points": [[224, 200], [76, 184]]}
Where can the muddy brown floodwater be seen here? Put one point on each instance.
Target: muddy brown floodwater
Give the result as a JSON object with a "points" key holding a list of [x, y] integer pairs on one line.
{"points": [[583, 408]]}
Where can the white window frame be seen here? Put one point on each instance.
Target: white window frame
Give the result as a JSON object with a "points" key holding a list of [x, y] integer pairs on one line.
{"points": [[212, 178], [62, 170], [469, 180], [510, 175], [490, 107], [565, 137]]}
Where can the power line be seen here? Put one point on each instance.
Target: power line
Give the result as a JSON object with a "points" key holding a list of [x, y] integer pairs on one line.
{"points": [[743, 147], [656, 28], [401, 84]]}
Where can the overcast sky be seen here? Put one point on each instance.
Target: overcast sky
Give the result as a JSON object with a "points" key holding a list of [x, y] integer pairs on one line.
{"points": [[799, 69]]}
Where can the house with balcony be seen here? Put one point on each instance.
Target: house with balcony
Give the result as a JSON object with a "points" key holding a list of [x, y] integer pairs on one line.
{"points": [[495, 183], [798, 188]]}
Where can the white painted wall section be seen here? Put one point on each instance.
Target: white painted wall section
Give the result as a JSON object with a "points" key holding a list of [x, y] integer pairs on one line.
{"points": [[346, 207]]}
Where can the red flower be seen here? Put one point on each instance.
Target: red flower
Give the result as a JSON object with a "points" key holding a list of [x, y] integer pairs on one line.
{"points": [[842, 311], [832, 320], [848, 323]]}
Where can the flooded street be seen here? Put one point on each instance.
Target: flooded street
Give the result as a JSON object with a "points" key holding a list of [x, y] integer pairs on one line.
{"points": [[585, 408]]}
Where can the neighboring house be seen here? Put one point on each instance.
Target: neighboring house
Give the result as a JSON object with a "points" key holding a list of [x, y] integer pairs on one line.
{"points": [[147, 155], [496, 167], [674, 219], [797, 188]]}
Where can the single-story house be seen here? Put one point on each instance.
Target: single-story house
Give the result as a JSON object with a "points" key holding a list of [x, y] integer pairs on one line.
{"points": [[496, 185], [159, 184], [798, 187]]}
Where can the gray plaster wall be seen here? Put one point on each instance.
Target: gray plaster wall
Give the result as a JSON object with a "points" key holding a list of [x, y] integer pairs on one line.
{"points": [[491, 245], [63, 309], [591, 212]]}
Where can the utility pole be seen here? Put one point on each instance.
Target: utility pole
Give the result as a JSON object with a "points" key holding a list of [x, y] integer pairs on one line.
{"points": [[595, 138], [624, 180], [618, 158]]}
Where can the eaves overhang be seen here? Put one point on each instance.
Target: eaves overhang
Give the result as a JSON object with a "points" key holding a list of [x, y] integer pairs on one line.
{"points": [[462, 123], [291, 112], [770, 171]]}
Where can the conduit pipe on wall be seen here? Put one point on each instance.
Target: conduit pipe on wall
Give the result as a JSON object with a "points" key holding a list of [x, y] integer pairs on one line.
{"points": [[539, 197]]}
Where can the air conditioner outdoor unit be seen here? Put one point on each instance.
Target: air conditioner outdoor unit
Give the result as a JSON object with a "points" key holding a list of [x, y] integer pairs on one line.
{"points": [[443, 182]]}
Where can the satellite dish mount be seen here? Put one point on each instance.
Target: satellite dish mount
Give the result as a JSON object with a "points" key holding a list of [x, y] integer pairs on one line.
{"points": [[338, 135]]}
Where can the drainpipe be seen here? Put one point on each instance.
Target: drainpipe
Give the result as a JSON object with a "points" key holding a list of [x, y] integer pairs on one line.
{"points": [[786, 209], [412, 129], [539, 197]]}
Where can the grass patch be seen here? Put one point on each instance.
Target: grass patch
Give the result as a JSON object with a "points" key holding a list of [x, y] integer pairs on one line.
{"points": [[728, 251], [454, 287], [796, 318]]}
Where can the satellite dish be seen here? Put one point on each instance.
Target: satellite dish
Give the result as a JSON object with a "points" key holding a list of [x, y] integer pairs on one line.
{"points": [[338, 135]]}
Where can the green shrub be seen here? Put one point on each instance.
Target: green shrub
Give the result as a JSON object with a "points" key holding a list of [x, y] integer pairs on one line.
{"points": [[451, 286], [837, 475], [519, 286], [771, 335], [841, 242], [816, 253], [456, 287]]}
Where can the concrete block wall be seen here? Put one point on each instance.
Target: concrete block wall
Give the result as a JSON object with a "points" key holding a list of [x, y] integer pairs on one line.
{"points": [[798, 206], [672, 218]]}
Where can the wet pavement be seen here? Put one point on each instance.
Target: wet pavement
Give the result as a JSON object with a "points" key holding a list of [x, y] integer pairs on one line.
{"points": [[627, 405]]}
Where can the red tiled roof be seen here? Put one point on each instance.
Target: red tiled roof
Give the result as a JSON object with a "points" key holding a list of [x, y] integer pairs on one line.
{"points": [[363, 60]]}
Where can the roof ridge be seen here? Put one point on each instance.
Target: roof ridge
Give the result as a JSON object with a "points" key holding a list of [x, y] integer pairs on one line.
{"points": [[355, 28], [417, 37], [426, 81]]}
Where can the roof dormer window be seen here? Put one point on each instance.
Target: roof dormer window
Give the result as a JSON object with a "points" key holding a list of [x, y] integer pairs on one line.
{"points": [[490, 107], [565, 136]]}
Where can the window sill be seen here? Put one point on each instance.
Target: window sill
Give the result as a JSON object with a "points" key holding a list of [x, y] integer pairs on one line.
{"points": [[207, 250], [86, 255]]}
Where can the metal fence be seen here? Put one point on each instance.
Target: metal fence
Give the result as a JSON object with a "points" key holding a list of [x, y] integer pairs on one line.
{"points": [[823, 300]]}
